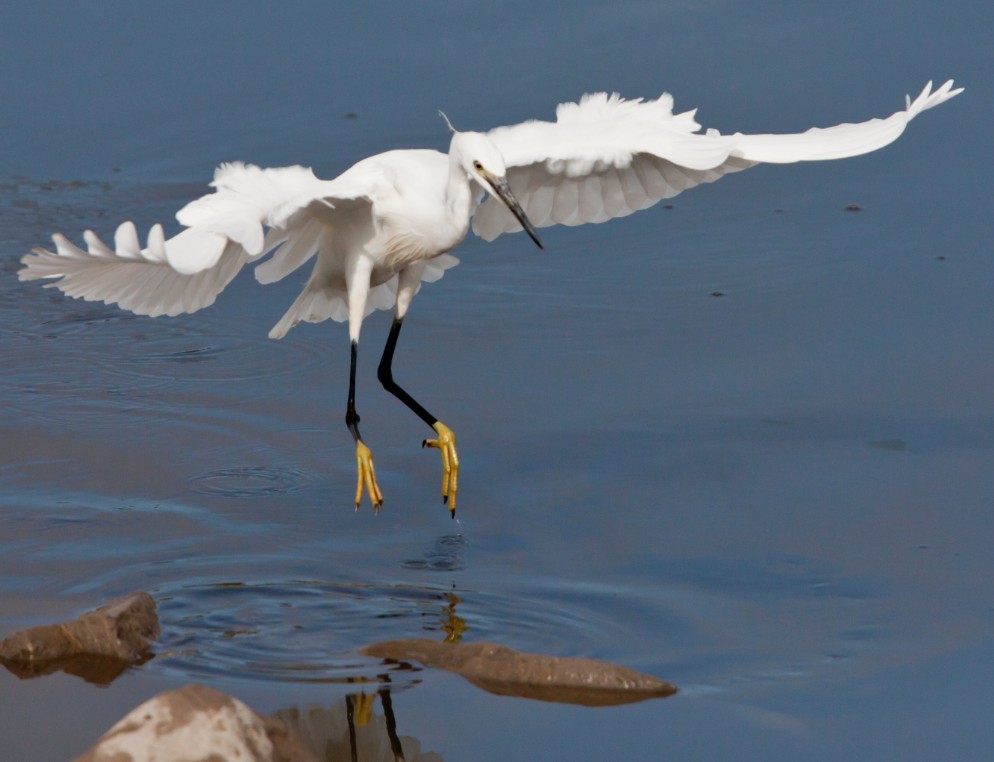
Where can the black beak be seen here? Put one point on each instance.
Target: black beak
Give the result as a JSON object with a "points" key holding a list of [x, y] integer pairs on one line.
{"points": [[503, 192]]}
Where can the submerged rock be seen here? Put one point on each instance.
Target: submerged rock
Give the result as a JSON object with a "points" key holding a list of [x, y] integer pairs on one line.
{"points": [[97, 646], [197, 723], [506, 672]]}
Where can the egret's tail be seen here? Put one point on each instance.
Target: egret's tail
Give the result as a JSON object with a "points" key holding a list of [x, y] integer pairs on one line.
{"points": [[313, 305], [319, 302]]}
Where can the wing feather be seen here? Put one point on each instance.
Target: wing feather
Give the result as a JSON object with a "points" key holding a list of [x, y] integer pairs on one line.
{"points": [[294, 250], [224, 230], [136, 280], [591, 205], [541, 200], [632, 190], [614, 198], [565, 203], [610, 157]]}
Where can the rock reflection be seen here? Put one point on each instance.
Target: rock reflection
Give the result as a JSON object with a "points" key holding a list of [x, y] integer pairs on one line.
{"points": [[94, 669]]}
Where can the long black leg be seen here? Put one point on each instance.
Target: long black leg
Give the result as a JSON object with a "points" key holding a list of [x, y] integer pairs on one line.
{"points": [[351, 416], [364, 458], [446, 440], [385, 374]]}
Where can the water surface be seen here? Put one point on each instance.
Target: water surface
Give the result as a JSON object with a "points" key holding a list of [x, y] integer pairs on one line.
{"points": [[777, 498]]}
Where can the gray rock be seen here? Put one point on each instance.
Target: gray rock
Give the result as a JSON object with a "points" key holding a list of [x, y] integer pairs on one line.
{"points": [[197, 724]]}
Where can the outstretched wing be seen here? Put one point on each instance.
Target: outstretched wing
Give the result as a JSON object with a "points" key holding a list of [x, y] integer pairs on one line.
{"points": [[185, 273], [137, 279], [606, 157]]}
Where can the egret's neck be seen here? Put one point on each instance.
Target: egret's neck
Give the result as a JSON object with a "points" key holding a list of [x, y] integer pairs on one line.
{"points": [[458, 194]]}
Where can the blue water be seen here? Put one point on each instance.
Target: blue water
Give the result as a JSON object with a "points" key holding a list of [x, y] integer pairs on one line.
{"points": [[778, 499]]}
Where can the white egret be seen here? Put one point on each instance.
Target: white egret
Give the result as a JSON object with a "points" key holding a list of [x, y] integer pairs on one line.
{"points": [[385, 225]]}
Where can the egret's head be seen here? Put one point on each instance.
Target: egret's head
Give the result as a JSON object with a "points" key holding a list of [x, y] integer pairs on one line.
{"points": [[477, 154], [484, 165]]}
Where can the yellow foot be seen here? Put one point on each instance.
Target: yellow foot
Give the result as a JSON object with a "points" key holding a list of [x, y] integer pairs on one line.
{"points": [[367, 477], [446, 444]]}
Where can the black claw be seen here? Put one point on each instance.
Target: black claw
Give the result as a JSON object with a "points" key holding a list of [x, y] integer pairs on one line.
{"points": [[453, 512], [445, 499], [424, 443]]}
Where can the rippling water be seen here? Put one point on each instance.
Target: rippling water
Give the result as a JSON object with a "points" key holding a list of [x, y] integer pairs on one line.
{"points": [[777, 498]]}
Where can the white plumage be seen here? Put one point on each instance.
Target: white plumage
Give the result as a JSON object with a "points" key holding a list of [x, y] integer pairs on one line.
{"points": [[386, 224], [606, 157]]}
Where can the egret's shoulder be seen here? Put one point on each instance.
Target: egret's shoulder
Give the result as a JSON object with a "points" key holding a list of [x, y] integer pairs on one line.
{"points": [[400, 159], [398, 172]]}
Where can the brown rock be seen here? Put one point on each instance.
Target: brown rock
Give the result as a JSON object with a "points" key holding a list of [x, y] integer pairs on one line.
{"points": [[97, 646], [504, 671]]}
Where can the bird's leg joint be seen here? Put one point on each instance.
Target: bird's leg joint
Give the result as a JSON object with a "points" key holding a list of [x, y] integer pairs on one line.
{"points": [[385, 376]]}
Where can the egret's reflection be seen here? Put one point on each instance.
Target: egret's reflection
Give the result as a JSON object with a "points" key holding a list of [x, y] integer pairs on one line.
{"points": [[353, 731], [453, 625]]}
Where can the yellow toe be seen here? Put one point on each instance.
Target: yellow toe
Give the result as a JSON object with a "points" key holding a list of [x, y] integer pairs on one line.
{"points": [[446, 445], [366, 477]]}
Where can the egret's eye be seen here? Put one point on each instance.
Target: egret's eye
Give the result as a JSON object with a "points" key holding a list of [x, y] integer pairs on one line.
{"points": [[477, 166]]}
